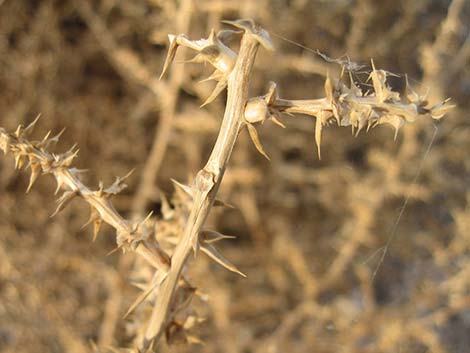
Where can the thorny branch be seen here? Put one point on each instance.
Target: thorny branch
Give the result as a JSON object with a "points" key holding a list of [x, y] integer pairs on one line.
{"points": [[130, 236], [207, 182], [347, 105]]}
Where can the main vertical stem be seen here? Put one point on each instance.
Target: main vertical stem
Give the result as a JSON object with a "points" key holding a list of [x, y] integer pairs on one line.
{"points": [[207, 183]]}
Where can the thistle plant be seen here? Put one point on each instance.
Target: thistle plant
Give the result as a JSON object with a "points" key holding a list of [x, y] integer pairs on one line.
{"points": [[169, 291]]}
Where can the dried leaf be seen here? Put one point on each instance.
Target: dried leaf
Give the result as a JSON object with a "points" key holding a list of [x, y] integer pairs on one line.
{"points": [[119, 247], [64, 200], [215, 76], [254, 137], [196, 59], [29, 129], [212, 252], [194, 340], [154, 284], [46, 141], [211, 52], [249, 26], [187, 189], [19, 161], [166, 209], [329, 88], [218, 88], [60, 184], [382, 91], [97, 223], [65, 160], [271, 96], [19, 131], [35, 171], [170, 55], [277, 122], [212, 236], [191, 321], [318, 130], [93, 216], [356, 91], [220, 203], [411, 94], [439, 110]]}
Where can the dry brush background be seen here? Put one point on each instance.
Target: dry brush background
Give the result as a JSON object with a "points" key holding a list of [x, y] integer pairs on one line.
{"points": [[310, 233]]}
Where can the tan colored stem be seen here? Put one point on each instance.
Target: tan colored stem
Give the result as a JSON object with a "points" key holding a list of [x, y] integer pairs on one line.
{"points": [[303, 106], [207, 183], [68, 180]]}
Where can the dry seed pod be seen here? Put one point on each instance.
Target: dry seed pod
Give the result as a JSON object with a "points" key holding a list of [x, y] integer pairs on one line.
{"points": [[256, 110]]}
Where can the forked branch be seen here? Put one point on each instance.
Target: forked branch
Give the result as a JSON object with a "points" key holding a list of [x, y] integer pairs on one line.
{"points": [[344, 104], [208, 179]]}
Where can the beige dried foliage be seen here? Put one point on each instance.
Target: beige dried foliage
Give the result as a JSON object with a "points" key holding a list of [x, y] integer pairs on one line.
{"points": [[338, 305], [347, 106]]}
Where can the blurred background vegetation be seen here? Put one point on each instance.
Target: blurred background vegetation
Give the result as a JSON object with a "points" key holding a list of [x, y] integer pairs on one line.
{"points": [[311, 233]]}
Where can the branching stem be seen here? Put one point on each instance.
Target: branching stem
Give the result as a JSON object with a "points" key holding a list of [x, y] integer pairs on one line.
{"points": [[207, 182]]}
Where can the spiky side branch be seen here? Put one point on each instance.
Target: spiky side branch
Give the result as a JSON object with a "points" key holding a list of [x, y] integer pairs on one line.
{"points": [[347, 106], [138, 237], [130, 236]]}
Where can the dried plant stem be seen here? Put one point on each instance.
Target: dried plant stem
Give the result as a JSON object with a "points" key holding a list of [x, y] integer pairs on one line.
{"points": [[129, 236], [345, 105], [109, 214], [207, 182]]}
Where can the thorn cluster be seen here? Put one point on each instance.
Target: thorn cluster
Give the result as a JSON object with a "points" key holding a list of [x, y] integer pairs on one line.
{"points": [[346, 105], [212, 50], [130, 236], [139, 237]]}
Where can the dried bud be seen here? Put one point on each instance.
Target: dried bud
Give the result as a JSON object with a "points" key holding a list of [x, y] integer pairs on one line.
{"points": [[256, 110]]}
